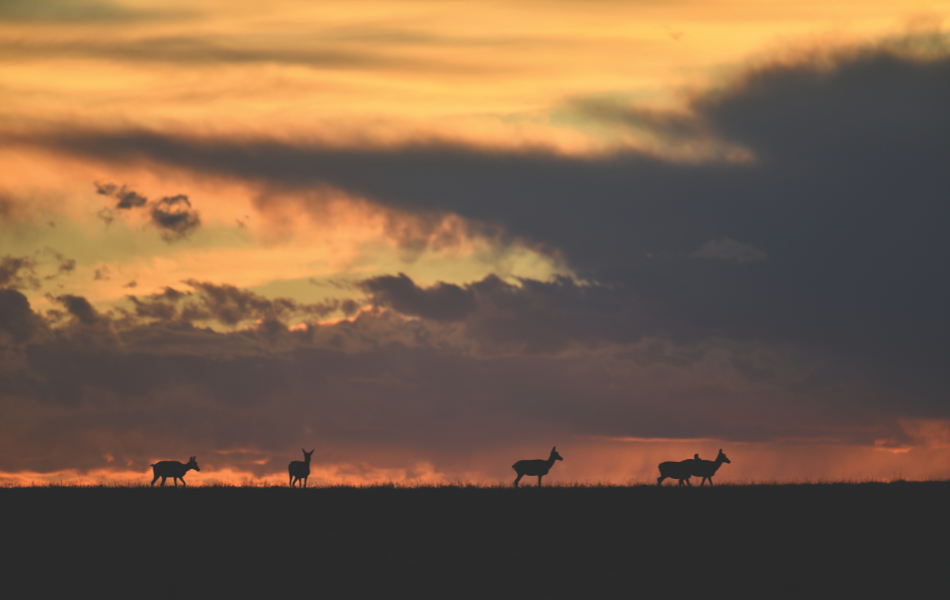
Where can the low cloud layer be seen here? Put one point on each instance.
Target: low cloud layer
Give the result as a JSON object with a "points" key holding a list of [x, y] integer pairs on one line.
{"points": [[389, 388], [226, 305]]}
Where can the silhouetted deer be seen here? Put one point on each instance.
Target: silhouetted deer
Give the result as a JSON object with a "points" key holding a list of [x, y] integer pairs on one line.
{"points": [[173, 469], [681, 470], [535, 467], [707, 468], [300, 471]]}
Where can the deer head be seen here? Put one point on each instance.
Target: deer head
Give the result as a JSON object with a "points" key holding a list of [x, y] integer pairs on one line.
{"points": [[723, 458], [555, 455], [306, 455], [193, 463]]}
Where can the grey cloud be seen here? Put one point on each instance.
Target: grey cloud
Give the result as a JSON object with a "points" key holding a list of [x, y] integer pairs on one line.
{"points": [[225, 304], [164, 387], [64, 265], [231, 305], [101, 274], [729, 249], [18, 272], [443, 301], [846, 193], [16, 316], [127, 198], [175, 217], [80, 308], [535, 317]]}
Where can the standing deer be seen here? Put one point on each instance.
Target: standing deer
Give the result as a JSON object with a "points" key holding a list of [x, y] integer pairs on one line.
{"points": [[535, 467], [300, 471], [680, 470], [173, 469], [707, 468]]}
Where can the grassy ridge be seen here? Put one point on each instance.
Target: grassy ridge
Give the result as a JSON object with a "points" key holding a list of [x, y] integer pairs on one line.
{"points": [[584, 541]]}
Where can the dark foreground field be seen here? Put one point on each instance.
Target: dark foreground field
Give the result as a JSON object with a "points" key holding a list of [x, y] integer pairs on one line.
{"points": [[585, 542]]}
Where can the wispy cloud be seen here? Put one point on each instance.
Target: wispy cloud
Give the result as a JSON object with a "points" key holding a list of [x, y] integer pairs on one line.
{"points": [[173, 215], [729, 249], [78, 11]]}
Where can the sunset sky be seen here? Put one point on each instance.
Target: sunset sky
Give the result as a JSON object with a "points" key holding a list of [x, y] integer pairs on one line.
{"points": [[429, 239]]}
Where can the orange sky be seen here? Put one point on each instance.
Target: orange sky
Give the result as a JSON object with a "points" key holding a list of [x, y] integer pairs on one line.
{"points": [[371, 76]]}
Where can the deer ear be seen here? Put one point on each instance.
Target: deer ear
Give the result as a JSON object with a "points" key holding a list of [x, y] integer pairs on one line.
{"points": [[553, 449]]}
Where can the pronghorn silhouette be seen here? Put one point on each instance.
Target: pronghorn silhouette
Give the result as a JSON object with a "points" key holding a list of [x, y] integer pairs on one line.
{"points": [[535, 467], [707, 468], [681, 470], [173, 469], [300, 471]]}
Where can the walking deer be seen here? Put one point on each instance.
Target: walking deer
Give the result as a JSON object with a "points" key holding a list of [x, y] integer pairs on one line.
{"points": [[535, 467], [707, 468], [300, 470], [680, 470], [173, 469]]}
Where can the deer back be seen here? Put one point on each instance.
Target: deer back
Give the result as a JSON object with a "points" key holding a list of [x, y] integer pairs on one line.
{"points": [[298, 467], [169, 468], [677, 469], [532, 467], [705, 468]]}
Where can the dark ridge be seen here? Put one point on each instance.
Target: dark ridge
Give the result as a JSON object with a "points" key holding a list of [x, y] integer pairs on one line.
{"points": [[461, 541]]}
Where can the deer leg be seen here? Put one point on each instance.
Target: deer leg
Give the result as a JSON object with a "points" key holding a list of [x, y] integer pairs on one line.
{"points": [[305, 481], [518, 478], [660, 479], [154, 480], [183, 484], [539, 480], [163, 480]]}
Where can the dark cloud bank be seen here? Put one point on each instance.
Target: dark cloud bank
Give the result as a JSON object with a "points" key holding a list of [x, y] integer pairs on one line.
{"points": [[802, 294]]}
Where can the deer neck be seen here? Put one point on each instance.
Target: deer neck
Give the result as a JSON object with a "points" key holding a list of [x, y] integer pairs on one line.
{"points": [[550, 461]]}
